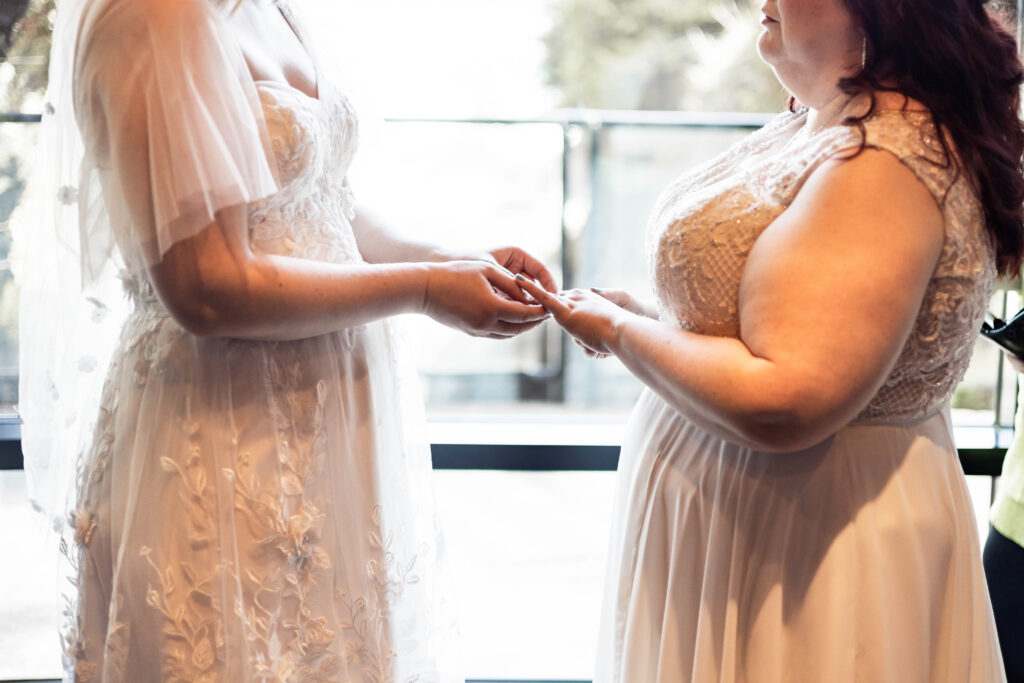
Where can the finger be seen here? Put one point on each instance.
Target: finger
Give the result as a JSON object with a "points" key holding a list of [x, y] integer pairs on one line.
{"points": [[504, 281], [512, 329], [523, 327], [514, 312], [574, 294], [588, 350], [502, 330], [538, 271], [619, 297], [510, 311], [546, 298]]}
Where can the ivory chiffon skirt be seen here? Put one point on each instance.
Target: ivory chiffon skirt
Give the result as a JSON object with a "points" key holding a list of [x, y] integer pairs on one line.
{"points": [[855, 560]]}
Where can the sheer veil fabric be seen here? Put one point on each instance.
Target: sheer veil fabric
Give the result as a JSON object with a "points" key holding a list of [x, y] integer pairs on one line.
{"points": [[230, 511], [68, 227]]}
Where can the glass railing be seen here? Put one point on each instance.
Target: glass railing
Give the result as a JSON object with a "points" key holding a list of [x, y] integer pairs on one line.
{"points": [[574, 188], [525, 433]]}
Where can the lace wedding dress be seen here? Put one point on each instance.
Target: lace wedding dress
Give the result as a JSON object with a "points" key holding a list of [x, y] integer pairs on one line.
{"points": [[246, 511], [855, 560]]}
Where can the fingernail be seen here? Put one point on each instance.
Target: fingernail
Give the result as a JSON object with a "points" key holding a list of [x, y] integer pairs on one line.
{"points": [[597, 289], [519, 276]]}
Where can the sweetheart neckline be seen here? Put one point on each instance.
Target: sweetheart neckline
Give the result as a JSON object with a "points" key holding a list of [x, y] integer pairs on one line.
{"points": [[288, 86]]}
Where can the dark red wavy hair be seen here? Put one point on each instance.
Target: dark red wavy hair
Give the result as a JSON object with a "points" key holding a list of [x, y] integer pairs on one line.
{"points": [[960, 61]]}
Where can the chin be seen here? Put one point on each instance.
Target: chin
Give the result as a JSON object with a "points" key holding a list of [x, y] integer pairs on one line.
{"points": [[765, 48]]}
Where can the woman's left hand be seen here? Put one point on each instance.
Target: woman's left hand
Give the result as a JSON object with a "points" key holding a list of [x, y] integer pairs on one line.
{"points": [[519, 262], [590, 318]]}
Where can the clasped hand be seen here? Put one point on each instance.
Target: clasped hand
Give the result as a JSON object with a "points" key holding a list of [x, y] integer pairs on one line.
{"points": [[592, 317], [479, 294]]}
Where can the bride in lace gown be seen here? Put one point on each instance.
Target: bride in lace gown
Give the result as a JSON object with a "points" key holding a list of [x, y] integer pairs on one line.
{"points": [[251, 500], [790, 504]]}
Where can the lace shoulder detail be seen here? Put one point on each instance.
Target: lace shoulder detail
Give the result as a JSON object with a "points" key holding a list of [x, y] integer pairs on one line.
{"points": [[936, 167], [703, 226], [938, 351], [936, 355], [910, 136]]}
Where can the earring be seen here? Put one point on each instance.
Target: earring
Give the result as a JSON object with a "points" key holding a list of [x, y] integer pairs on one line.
{"points": [[863, 52]]}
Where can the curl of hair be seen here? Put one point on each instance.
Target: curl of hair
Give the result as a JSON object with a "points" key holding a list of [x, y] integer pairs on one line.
{"points": [[959, 60]]}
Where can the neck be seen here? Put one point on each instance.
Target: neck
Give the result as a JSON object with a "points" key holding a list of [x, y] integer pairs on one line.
{"points": [[833, 110], [841, 105]]}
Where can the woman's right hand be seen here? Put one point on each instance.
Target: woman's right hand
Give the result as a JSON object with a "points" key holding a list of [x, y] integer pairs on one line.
{"points": [[480, 298]]}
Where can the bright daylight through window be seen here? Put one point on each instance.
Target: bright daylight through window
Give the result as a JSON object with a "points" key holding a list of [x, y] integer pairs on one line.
{"points": [[550, 124]]}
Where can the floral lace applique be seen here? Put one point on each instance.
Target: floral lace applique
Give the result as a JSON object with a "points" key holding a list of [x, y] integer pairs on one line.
{"points": [[82, 526], [72, 633], [289, 521], [191, 623], [180, 591], [368, 646]]}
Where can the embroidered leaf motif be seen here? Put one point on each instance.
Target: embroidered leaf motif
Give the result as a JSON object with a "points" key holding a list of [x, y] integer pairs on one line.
{"points": [[291, 485], [200, 482]]}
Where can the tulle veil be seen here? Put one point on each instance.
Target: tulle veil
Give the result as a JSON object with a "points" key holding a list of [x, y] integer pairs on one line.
{"points": [[66, 259], [71, 299]]}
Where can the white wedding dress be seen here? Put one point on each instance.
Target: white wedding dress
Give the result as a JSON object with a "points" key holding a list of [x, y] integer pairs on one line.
{"points": [[855, 560], [246, 511]]}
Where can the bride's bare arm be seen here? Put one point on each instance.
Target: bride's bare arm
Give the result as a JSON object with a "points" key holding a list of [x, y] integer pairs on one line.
{"points": [[215, 285], [829, 295], [378, 243]]}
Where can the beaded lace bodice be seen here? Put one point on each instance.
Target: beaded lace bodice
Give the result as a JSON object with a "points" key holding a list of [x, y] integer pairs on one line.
{"points": [[704, 224], [314, 142]]}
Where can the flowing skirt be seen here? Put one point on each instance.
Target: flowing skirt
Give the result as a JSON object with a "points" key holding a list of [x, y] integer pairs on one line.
{"points": [[256, 511], [855, 560]]}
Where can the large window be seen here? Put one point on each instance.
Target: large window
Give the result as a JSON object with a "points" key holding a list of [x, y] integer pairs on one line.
{"points": [[24, 45], [552, 124]]}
